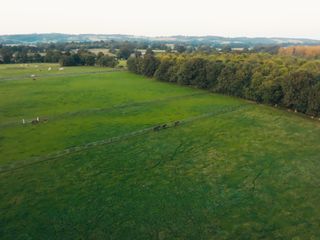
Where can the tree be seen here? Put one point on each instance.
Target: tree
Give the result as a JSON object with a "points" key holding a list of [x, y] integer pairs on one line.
{"points": [[70, 60], [6, 55], [213, 70], [20, 57], [180, 48], [150, 63], [107, 61], [193, 72], [132, 64], [314, 100], [125, 51], [271, 91], [226, 49], [224, 81], [297, 88], [162, 72], [89, 59], [67, 61], [52, 56]]}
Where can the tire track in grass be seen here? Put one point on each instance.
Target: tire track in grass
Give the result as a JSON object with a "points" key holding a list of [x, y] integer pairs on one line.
{"points": [[27, 77], [84, 147], [97, 110]]}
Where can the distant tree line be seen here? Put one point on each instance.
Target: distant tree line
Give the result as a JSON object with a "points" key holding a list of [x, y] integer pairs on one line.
{"points": [[86, 58], [19, 54], [52, 52], [271, 79], [26, 54]]}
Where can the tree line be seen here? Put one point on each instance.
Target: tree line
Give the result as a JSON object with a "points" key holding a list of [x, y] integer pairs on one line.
{"points": [[86, 58], [53, 52], [27, 54], [284, 81]]}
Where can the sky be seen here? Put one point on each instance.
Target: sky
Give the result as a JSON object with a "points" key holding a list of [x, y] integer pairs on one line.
{"points": [[228, 18]]}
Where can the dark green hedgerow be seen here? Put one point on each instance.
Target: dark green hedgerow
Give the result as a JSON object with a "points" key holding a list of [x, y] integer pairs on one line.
{"points": [[285, 81]]}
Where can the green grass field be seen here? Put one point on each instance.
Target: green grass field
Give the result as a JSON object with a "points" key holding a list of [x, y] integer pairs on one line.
{"points": [[96, 169]]}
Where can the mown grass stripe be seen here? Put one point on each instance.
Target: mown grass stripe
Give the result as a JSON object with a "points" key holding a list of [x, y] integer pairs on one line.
{"points": [[97, 110], [27, 77], [76, 149]]}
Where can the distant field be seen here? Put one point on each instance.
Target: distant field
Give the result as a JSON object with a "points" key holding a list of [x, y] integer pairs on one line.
{"points": [[301, 51], [18, 71], [221, 168], [143, 51], [105, 51]]}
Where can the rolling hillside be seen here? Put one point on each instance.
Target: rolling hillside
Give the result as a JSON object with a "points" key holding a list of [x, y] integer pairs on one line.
{"points": [[198, 40]]}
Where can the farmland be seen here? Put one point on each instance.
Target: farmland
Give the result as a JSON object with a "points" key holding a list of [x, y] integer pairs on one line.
{"points": [[218, 167]]}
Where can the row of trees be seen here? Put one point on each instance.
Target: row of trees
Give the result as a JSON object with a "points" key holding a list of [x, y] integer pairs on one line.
{"points": [[19, 54], [285, 81], [112, 45], [52, 52], [86, 58], [25, 54]]}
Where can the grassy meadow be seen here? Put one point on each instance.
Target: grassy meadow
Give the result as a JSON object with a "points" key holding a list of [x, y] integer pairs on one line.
{"points": [[96, 168]]}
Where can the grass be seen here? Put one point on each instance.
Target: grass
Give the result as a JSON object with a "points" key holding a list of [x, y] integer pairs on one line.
{"points": [[244, 171], [18, 71]]}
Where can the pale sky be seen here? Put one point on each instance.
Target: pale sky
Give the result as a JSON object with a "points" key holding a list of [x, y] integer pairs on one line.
{"points": [[229, 18]]}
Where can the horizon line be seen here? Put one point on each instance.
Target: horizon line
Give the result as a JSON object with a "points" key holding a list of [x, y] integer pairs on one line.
{"points": [[161, 36]]}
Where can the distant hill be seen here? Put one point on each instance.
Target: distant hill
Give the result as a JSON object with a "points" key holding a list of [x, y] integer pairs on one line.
{"points": [[58, 37], [197, 40]]}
